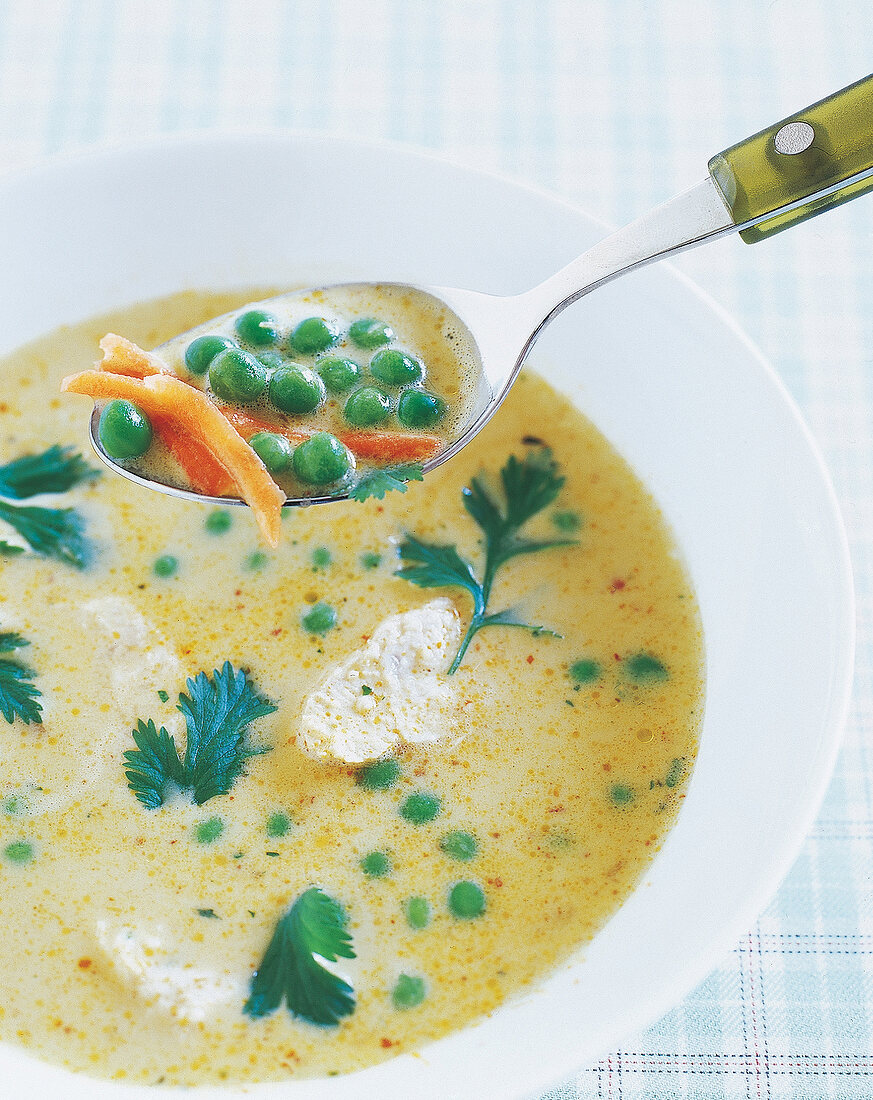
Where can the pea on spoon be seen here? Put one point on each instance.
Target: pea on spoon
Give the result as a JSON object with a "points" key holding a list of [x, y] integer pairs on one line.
{"points": [[787, 173]]}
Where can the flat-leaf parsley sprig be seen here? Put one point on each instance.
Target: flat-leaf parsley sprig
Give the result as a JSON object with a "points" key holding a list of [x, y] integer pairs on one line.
{"points": [[217, 709], [529, 485], [18, 693], [313, 928], [55, 532]]}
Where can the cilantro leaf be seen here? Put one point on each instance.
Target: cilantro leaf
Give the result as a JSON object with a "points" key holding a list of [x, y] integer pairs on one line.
{"points": [[152, 764], [10, 549], [53, 471], [529, 485], [18, 694], [56, 532], [216, 714], [438, 567], [217, 709], [313, 928], [380, 482]]}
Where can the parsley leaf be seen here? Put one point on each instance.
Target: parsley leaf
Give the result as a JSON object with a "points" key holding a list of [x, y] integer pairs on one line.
{"points": [[56, 532], [380, 482], [314, 928], [529, 485], [54, 471], [152, 764], [217, 709], [18, 694]]}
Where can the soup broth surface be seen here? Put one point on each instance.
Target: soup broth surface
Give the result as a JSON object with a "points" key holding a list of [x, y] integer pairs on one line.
{"points": [[131, 934]]}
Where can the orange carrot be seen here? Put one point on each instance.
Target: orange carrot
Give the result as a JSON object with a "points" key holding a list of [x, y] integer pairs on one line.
{"points": [[203, 470], [392, 446], [376, 446], [191, 412], [120, 356]]}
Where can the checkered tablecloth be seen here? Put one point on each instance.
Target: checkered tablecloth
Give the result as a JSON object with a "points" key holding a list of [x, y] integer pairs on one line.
{"points": [[616, 105]]}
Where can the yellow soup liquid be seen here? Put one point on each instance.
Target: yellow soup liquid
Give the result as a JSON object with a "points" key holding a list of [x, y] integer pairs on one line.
{"points": [[130, 935]]}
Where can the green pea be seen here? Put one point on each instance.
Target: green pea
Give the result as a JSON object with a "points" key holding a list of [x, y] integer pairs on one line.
{"points": [[320, 619], [621, 794], [321, 557], [420, 808], [584, 671], [257, 327], [200, 352], [278, 824], [296, 389], [19, 851], [238, 376], [124, 430], [273, 450], [367, 406], [368, 333], [313, 335], [322, 459], [459, 845], [378, 776], [420, 409], [417, 910], [642, 668], [396, 368], [209, 830], [337, 373], [409, 992], [218, 521], [165, 566], [466, 900], [272, 360], [376, 865]]}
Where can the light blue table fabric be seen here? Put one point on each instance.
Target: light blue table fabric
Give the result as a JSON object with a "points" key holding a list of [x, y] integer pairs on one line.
{"points": [[615, 105]]}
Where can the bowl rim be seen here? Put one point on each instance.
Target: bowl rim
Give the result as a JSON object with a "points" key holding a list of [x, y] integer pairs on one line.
{"points": [[753, 903]]}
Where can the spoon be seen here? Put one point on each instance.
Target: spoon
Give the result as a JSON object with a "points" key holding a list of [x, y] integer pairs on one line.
{"points": [[806, 164]]}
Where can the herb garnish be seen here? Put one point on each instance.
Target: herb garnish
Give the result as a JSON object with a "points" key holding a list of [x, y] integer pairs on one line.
{"points": [[54, 471], [217, 711], [314, 928], [18, 694], [56, 532], [529, 486], [380, 482]]}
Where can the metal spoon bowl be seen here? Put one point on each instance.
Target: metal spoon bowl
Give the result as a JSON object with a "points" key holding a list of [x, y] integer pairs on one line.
{"points": [[802, 166]]}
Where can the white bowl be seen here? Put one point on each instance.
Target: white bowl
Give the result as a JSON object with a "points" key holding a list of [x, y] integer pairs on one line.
{"points": [[676, 388]]}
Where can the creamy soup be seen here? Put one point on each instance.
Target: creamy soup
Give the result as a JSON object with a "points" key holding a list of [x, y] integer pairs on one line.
{"points": [[517, 794]]}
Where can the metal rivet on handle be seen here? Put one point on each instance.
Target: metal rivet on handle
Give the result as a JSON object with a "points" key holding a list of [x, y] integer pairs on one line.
{"points": [[794, 138]]}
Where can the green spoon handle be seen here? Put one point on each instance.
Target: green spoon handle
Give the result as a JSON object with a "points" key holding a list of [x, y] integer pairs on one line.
{"points": [[805, 164]]}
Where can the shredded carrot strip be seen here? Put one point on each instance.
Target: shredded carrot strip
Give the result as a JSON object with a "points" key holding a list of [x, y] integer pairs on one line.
{"points": [[377, 446], [203, 470], [392, 446], [190, 411], [120, 356]]}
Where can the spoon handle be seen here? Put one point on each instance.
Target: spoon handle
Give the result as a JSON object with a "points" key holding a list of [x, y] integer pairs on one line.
{"points": [[809, 162]]}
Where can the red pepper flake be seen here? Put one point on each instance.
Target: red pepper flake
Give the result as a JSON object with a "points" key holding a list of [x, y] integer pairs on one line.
{"points": [[386, 1043], [556, 809], [85, 964], [617, 585], [237, 592], [530, 658], [607, 767], [498, 882], [616, 656], [277, 632]]}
